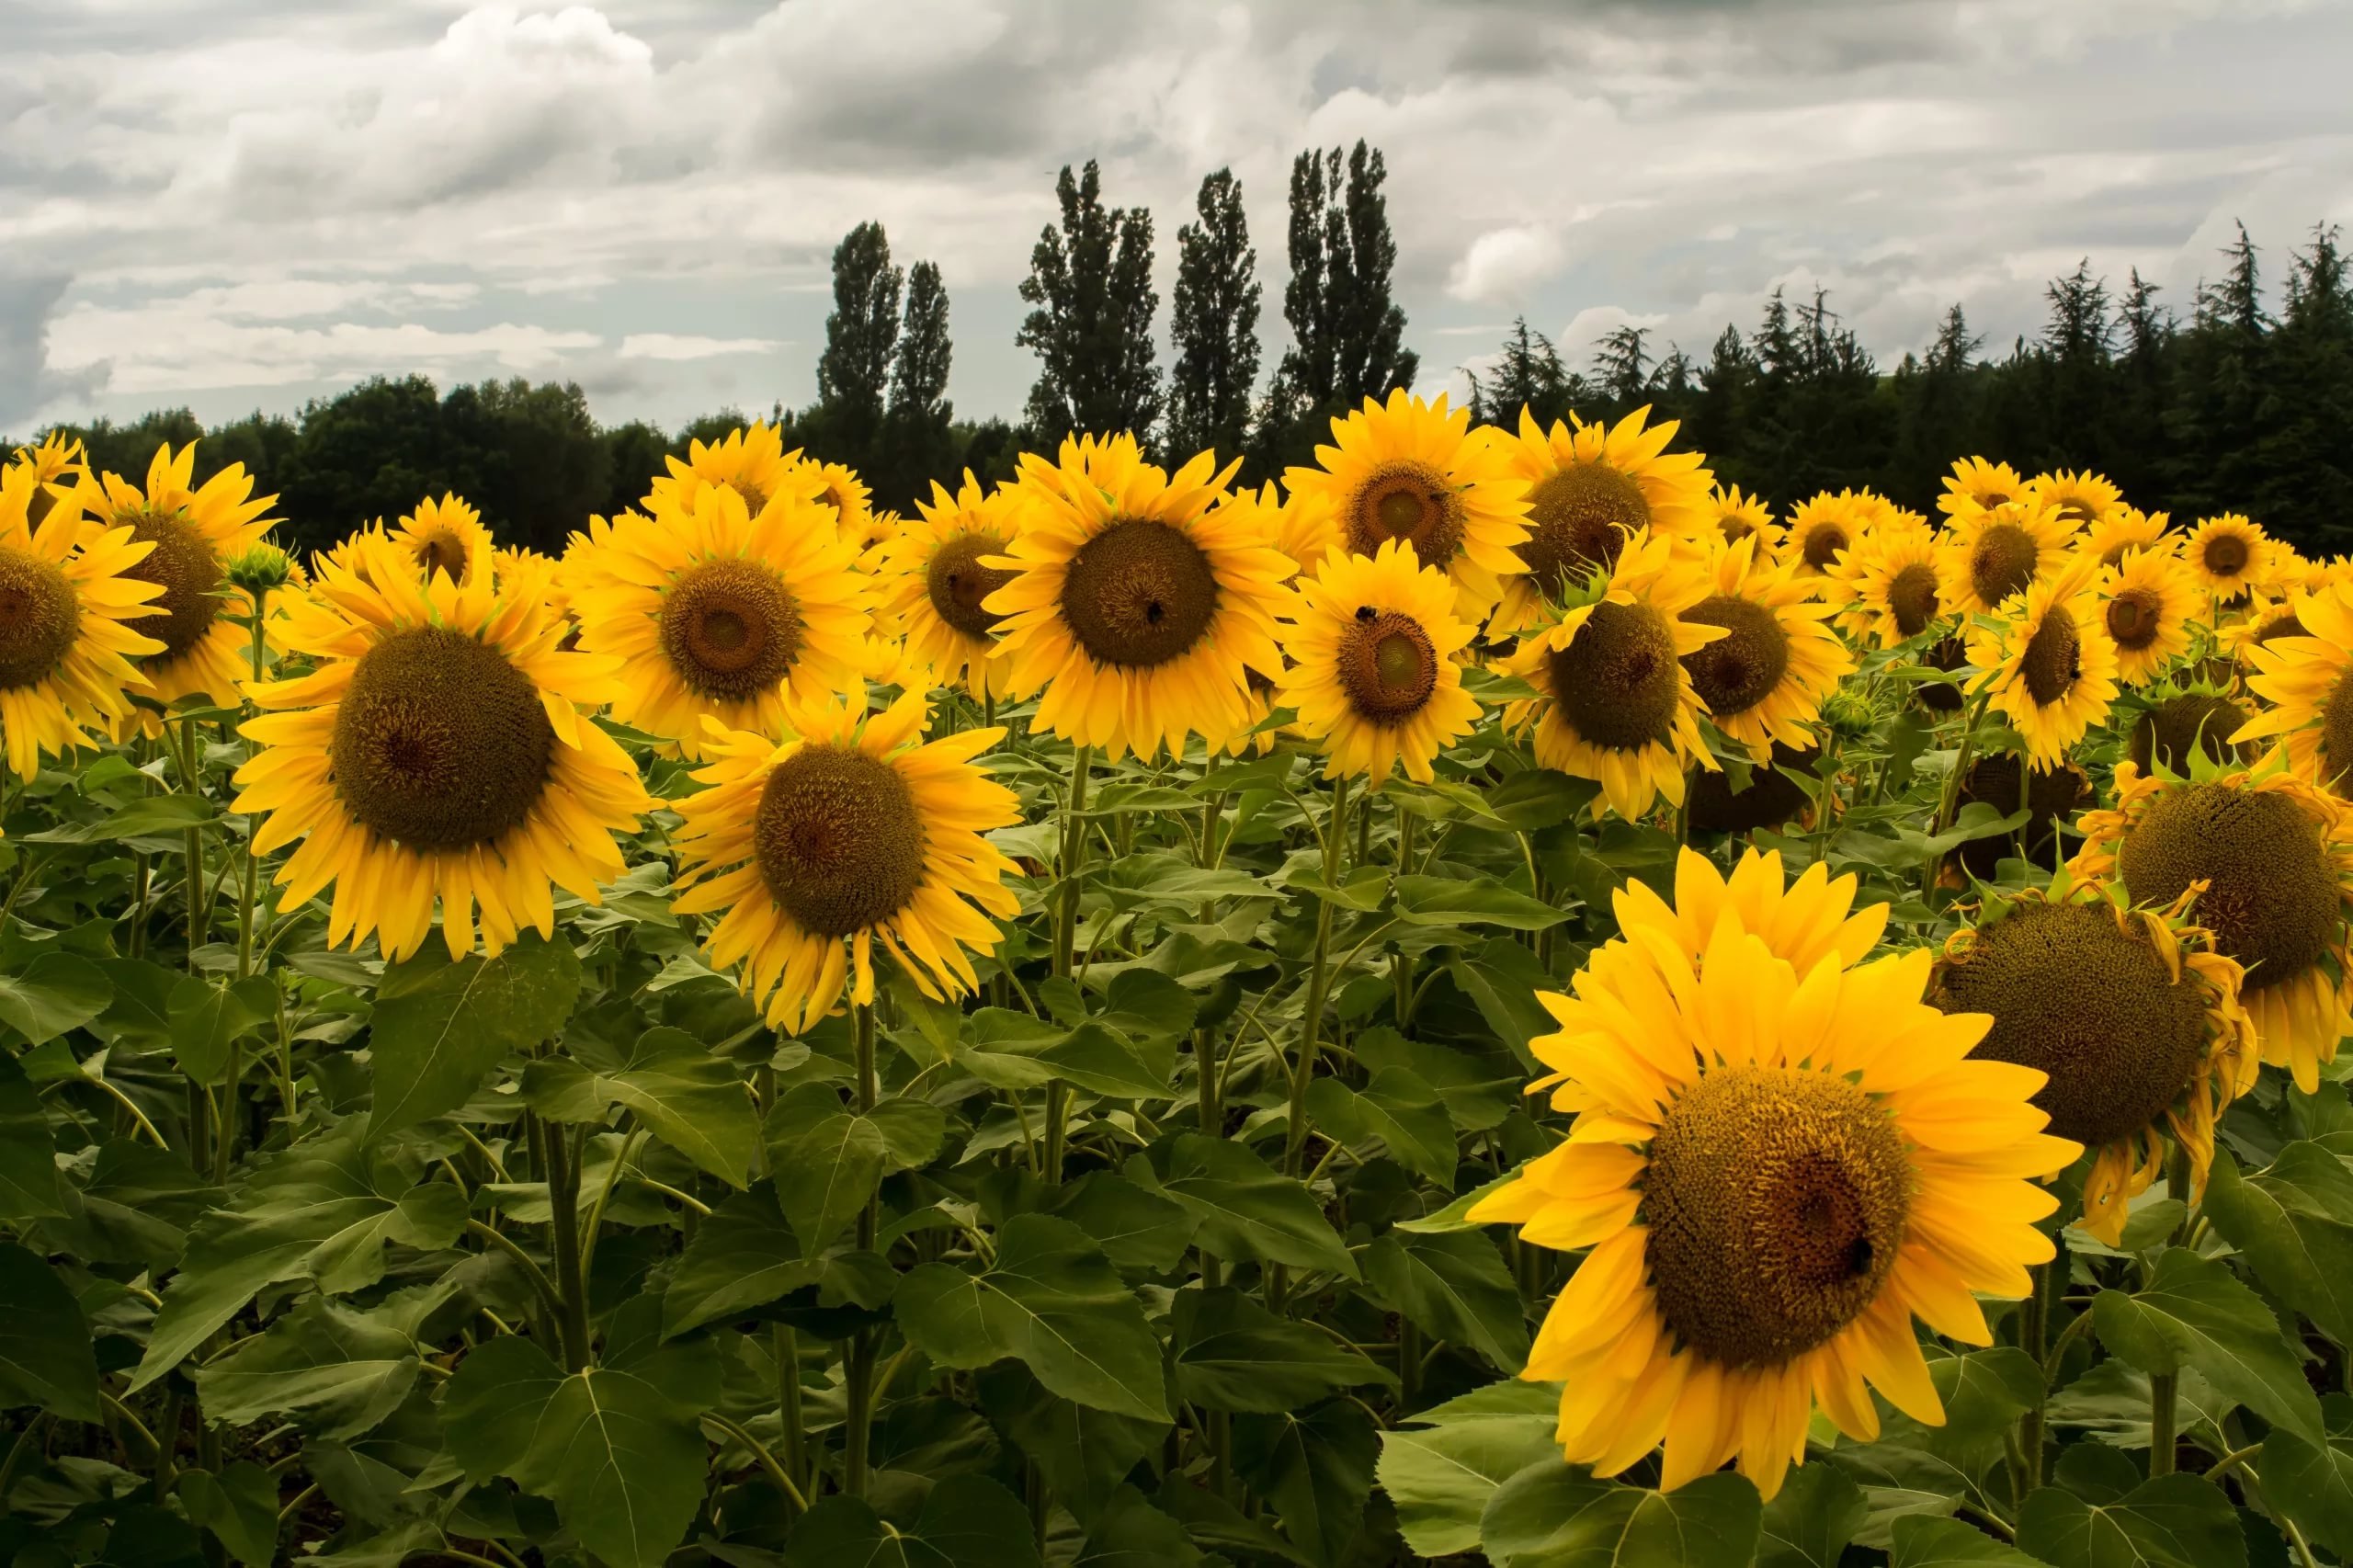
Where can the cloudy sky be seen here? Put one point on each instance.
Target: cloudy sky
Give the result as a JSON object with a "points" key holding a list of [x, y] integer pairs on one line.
{"points": [[235, 204]]}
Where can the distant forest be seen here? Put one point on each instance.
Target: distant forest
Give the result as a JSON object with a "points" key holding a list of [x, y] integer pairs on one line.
{"points": [[2218, 404]]}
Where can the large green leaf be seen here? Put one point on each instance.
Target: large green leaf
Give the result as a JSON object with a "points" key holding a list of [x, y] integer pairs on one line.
{"points": [[1049, 1299], [1138, 1230], [29, 1186], [1471, 901], [2312, 1483], [239, 1505], [1453, 1286], [55, 993], [1923, 1540], [338, 1371], [1502, 978], [967, 1521], [829, 1158], [1014, 1050], [1086, 1454], [210, 1017], [1440, 1476], [1555, 1516], [689, 1098], [2170, 1521], [1246, 1208], [1396, 1110], [2194, 1313], [1233, 1353], [2294, 1223], [135, 1207], [45, 1353], [1315, 1466], [1811, 1521], [1478, 1091], [744, 1255], [1129, 1532], [440, 1027]]}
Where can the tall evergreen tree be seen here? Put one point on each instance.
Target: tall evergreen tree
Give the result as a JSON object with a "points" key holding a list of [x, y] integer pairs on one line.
{"points": [[1213, 320], [918, 444], [1092, 298], [861, 341], [1528, 374], [1622, 364]]}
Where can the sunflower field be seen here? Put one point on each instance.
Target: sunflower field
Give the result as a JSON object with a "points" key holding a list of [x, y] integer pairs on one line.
{"points": [[1494, 1001]]}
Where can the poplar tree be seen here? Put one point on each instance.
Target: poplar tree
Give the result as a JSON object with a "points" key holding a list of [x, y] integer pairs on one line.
{"points": [[1091, 322], [1213, 321]]}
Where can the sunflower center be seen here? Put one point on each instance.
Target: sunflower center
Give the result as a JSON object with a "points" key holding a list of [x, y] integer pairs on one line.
{"points": [[2336, 737], [2270, 900], [40, 618], [2077, 512], [837, 839], [1408, 501], [1734, 528], [2002, 561], [2167, 733], [2095, 1008], [2053, 659], [1579, 519], [1618, 680], [730, 627], [188, 568], [1138, 594], [442, 551], [959, 584], [440, 742], [1912, 595], [1824, 541], [2134, 616], [2225, 555], [756, 499], [1740, 670], [1775, 1200], [2281, 626], [1386, 664]]}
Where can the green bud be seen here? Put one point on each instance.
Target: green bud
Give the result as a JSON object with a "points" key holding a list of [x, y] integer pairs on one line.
{"points": [[261, 569]]}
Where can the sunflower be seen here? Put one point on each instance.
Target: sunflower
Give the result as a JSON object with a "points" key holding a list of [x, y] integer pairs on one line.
{"points": [[1777, 1166], [2179, 720], [1737, 516], [446, 536], [933, 584], [1976, 486], [711, 609], [1374, 677], [2265, 616], [1763, 680], [67, 596], [2085, 499], [848, 831], [1886, 587], [2128, 528], [1987, 556], [1825, 526], [437, 750], [1411, 471], [751, 461], [838, 486], [2227, 555], [58, 460], [1616, 704], [2130, 1015], [2308, 680], [1590, 488], [2276, 859], [1139, 600], [2146, 603], [195, 531], [2049, 662], [2285, 571]]}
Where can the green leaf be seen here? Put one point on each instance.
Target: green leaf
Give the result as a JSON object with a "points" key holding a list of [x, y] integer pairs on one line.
{"points": [[1502, 978], [1245, 1208], [1471, 901], [1441, 1476], [28, 1185], [1233, 1353], [967, 1521], [2111, 1402], [1315, 1466], [55, 993], [158, 823], [134, 1207], [2170, 1521], [1049, 1299], [2194, 1313], [1555, 1516], [45, 1353], [829, 1158], [1138, 1230], [1924, 1541], [206, 1019], [440, 1027], [1454, 1287], [239, 1505], [1478, 1091], [338, 1371], [1395, 1109], [1812, 1521], [1086, 1454], [2312, 1483], [742, 1256], [1014, 1050], [689, 1098], [141, 1009], [2294, 1223], [1131, 1533]]}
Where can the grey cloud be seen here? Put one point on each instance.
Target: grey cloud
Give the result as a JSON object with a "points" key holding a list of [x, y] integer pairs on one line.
{"points": [[27, 382]]}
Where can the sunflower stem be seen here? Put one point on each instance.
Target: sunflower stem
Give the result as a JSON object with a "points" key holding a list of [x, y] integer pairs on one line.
{"points": [[563, 1172], [857, 1367], [1400, 963], [2164, 1388], [1319, 982], [1065, 944], [784, 1343], [2033, 1331]]}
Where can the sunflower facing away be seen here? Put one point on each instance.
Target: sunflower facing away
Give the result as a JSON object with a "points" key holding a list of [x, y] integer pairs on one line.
{"points": [[438, 751], [1375, 677], [1987, 556], [2275, 858], [934, 584], [1777, 1168], [2130, 1014], [70, 599], [446, 536], [56, 459], [1737, 516], [2227, 555], [1591, 488], [2049, 662], [1766, 677], [1886, 587], [2148, 601], [2128, 528], [2308, 680], [845, 834], [1616, 704], [2180, 720], [1411, 471], [1976, 486], [1139, 598]]}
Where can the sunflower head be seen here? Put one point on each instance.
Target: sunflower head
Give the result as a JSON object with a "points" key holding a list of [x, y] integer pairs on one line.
{"points": [[1738, 515], [261, 569], [2085, 499], [2307, 677], [751, 461], [2123, 528], [2148, 604], [446, 536], [1976, 486], [1825, 527], [1991, 554], [1591, 488], [1765, 679], [56, 459], [838, 486], [2180, 723], [2227, 555], [2047, 661], [936, 585], [1886, 586]]}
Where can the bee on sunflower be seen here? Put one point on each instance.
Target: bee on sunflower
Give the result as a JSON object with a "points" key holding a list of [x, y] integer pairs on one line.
{"points": [[934, 585], [2147, 605], [1763, 680], [1976, 486], [2048, 662], [1886, 588], [850, 831], [2228, 556], [1987, 556], [1737, 516], [2126, 529], [2307, 677]]}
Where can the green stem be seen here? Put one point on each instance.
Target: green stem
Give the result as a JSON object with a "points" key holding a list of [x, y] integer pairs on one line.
{"points": [[2033, 1330], [760, 1454], [1205, 1066], [784, 1343], [603, 1194], [26, 1441], [2164, 1390], [857, 1369], [1401, 964], [563, 1227], [1319, 982], [549, 1298], [1065, 945]]}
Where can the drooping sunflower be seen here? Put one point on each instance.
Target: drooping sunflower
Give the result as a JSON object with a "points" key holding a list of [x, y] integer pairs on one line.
{"points": [[1590, 488], [838, 486], [715, 610], [1823, 527], [2049, 662], [56, 460], [2148, 601], [2130, 1014], [1976, 486], [1737, 516], [1409, 470], [934, 585], [446, 536], [2228, 555], [70, 601], [2276, 857], [1777, 1168], [1616, 704], [848, 831], [2180, 720], [1886, 587], [438, 752], [2128, 528], [195, 531], [1374, 678], [1140, 599], [2308, 680], [1763, 680], [1988, 555], [2085, 499]]}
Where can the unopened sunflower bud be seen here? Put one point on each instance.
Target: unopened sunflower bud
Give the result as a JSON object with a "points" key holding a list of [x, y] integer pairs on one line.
{"points": [[1848, 716], [261, 569]]}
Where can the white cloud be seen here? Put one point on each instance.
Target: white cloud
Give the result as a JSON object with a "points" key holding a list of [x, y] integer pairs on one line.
{"points": [[678, 345], [1503, 264]]}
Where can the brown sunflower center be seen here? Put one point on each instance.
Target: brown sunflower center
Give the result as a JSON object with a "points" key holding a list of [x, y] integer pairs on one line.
{"points": [[2077, 512], [1386, 664], [2095, 1008], [1617, 681], [1138, 594], [730, 628], [2053, 796], [2336, 737], [2271, 895], [2225, 555], [1579, 519], [439, 743], [2134, 618], [2167, 733], [1409, 500], [755, 498], [1911, 595], [2002, 561], [1775, 1200], [40, 618], [1734, 528], [959, 584], [837, 839], [442, 550], [188, 566], [2053, 660], [2281, 626], [1823, 543], [1737, 671]]}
